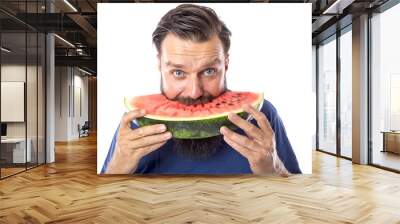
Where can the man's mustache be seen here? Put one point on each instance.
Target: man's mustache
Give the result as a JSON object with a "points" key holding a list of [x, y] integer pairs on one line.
{"points": [[190, 101]]}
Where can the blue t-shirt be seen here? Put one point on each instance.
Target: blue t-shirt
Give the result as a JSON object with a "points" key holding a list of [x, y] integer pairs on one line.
{"points": [[225, 160]]}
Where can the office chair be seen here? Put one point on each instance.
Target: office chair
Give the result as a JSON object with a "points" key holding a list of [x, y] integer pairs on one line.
{"points": [[84, 130]]}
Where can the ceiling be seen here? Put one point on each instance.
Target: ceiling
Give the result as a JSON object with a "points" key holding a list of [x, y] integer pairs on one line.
{"points": [[76, 22]]}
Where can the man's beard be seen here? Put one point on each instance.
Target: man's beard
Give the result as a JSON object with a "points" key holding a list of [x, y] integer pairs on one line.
{"points": [[196, 149]]}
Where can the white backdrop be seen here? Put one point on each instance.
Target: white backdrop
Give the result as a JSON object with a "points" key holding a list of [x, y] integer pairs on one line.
{"points": [[270, 52]]}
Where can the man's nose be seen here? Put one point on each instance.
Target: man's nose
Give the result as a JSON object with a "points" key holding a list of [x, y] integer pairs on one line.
{"points": [[195, 88]]}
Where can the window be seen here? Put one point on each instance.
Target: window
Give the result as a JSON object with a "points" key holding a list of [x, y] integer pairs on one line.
{"points": [[346, 93], [327, 96], [385, 89]]}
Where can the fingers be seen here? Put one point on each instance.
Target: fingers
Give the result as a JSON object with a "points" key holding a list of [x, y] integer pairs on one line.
{"points": [[149, 140], [148, 149], [240, 139], [131, 115], [146, 130], [250, 129], [239, 148], [260, 117]]}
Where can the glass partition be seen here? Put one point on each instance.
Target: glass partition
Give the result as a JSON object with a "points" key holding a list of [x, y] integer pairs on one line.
{"points": [[327, 96], [22, 67], [31, 100], [13, 103], [41, 91]]}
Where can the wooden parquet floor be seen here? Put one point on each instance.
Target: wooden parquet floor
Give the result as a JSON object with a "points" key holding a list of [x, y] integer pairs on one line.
{"points": [[70, 191]]}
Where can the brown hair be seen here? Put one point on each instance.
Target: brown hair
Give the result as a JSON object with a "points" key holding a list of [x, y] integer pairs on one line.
{"points": [[192, 22]]}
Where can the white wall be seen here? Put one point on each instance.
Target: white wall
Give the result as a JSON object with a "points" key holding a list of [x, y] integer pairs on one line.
{"points": [[263, 57], [33, 127], [61, 103], [16, 73], [80, 83], [70, 83]]}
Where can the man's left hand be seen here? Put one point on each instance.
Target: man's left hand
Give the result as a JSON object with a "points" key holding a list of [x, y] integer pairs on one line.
{"points": [[258, 145]]}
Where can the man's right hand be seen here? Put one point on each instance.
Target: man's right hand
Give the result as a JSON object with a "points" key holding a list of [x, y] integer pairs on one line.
{"points": [[134, 144]]}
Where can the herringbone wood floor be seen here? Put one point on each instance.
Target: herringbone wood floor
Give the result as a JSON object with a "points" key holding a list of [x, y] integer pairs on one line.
{"points": [[69, 191]]}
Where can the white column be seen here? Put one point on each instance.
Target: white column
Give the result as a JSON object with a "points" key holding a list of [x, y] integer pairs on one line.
{"points": [[360, 90], [50, 93]]}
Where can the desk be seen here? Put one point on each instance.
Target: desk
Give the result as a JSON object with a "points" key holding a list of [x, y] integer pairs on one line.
{"points": [[17, 151], [391, 141]]}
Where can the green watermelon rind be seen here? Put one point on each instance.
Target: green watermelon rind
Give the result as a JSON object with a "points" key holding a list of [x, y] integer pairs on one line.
{"points": [[195, 127]]}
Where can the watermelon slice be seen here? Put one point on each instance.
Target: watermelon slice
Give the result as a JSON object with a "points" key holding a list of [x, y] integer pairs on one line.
{"points": [[193, 121]]}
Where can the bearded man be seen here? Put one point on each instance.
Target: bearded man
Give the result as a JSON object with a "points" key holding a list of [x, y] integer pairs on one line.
{"points": [[193, 57]]}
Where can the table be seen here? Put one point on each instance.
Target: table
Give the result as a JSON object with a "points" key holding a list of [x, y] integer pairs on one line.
{"points": [[17, 150], [391, 141]]}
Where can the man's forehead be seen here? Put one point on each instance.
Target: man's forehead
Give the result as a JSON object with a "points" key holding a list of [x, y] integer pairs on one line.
{"points": [[173, 46]]}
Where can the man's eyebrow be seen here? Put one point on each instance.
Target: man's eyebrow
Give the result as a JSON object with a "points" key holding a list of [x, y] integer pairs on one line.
{"points": [[215, 61], [171, 64]]}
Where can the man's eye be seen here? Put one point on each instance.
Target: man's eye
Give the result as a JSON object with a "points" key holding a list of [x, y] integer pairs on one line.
{"points": [[178, 73], [209, 71]]}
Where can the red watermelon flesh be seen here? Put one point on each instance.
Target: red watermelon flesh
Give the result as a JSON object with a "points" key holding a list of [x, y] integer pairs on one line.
{"points": [[158, 105]]}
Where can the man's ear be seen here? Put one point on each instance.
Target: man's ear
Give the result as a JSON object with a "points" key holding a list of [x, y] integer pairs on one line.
{"points": [[226, 62], [159, 62]]}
